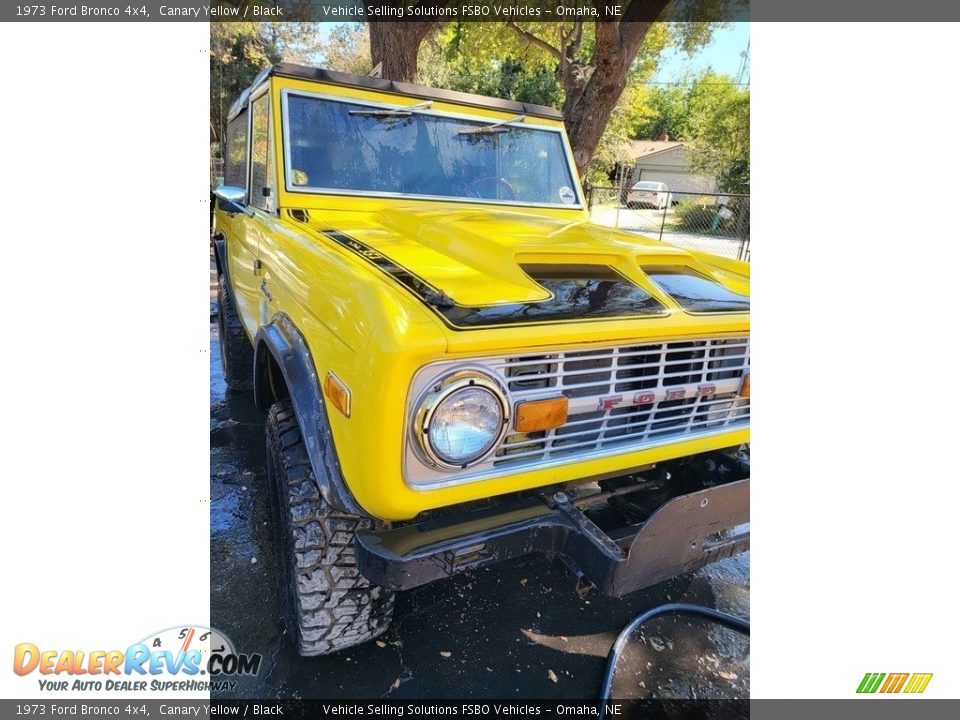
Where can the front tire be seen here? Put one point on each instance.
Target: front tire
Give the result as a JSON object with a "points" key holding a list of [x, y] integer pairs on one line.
{"points": [[236, 352], [331, 606]]}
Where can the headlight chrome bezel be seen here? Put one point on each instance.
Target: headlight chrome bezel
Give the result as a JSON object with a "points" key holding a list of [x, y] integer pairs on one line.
{"points": [[439, 390]]}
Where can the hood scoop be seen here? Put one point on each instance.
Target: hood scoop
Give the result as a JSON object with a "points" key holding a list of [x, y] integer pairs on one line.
{"points": [[496, 269], [696, 293], [576, 292]]}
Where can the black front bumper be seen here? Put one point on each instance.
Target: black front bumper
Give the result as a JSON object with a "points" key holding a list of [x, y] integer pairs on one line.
{"points": [[686, 533]]}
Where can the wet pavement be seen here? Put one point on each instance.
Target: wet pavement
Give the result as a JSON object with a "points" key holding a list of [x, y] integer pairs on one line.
{"points": [[517, 630]]}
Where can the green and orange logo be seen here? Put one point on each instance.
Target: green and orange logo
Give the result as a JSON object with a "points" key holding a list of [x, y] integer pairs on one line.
{"points": [[894, 682]]}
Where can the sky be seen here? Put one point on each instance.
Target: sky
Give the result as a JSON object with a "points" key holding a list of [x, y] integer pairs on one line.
{"points": [[722, 54]]}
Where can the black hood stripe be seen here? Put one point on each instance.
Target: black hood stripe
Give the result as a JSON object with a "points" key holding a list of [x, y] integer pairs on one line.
{"points": [[578, 293]]}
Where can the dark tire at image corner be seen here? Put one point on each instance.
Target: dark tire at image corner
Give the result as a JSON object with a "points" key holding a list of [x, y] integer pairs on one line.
{"points": [[330, 605], [236, 352]]}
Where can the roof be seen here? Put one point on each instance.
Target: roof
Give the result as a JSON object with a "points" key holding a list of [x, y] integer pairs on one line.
{"points": [[332, 77], [637, 149]]}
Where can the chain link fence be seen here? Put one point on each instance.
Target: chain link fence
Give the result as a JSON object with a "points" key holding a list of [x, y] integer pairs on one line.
{"points": [[710, 222]]}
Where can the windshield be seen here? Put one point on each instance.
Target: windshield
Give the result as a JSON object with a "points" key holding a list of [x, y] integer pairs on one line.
{"points": [[346, 147]]}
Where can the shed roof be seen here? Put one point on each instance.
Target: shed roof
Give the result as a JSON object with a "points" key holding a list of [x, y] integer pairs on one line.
{"points": [[643, 148]]}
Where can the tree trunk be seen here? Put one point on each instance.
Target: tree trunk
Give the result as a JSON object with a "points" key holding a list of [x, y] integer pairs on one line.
{"points": [[592, 91], [589, 103], [396, 44]]}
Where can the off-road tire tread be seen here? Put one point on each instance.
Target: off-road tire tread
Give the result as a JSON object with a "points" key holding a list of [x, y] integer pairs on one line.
{"points": [[236, 350], [332, 606]]}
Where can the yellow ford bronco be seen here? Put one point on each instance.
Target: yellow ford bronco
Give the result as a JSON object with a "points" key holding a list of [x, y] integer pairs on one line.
{"points": [[459, 368]]}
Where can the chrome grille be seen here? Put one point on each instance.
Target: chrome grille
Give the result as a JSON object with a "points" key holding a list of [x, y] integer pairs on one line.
{"points": [[668, 392], [627, 397]]}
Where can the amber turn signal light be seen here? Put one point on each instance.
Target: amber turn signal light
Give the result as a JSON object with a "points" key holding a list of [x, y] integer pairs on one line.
{"points": [[745, 387], [337, 393], [541, 414]]}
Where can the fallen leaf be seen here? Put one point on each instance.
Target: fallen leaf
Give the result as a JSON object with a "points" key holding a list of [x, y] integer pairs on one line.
{"points": [[523, 581], [552, 675], [445, 654], [727, 675], [381, 643]]}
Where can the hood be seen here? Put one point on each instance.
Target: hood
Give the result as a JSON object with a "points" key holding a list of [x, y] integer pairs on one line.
{"points": [[509, 264]]}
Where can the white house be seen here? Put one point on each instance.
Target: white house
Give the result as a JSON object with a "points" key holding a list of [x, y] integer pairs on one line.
{"points": [[666, 161]]}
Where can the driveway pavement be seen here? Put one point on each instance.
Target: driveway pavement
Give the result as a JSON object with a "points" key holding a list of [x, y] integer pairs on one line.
{"points": [[648, 222]]}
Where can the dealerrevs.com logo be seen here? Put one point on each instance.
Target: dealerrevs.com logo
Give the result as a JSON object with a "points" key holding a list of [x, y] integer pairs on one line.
{"points": [[909, 683], [182, 659]]}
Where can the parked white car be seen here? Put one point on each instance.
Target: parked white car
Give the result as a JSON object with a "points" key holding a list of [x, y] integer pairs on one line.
{"points": [[649, 194]]}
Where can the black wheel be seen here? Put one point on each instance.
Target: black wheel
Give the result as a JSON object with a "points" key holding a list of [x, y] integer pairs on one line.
{"points": [[236, 352], [331, 606]]}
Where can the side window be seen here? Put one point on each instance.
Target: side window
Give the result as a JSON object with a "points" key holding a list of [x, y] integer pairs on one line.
{"points": [[263, 194], [235, 159]]}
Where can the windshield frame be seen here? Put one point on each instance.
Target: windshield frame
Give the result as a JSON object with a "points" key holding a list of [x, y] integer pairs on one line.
{"points": [[285, 94]]}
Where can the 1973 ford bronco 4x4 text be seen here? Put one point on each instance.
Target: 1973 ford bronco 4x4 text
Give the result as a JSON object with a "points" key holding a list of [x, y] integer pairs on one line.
{"points": [[458, 368]]}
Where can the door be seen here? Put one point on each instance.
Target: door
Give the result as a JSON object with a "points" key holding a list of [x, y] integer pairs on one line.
{"points": [[240, 243], [263, 203]]}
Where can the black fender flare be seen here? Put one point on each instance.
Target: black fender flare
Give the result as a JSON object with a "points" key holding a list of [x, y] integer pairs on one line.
{"points": [[281, 340]]}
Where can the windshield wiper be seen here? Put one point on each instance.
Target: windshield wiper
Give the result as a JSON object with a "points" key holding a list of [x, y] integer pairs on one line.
{"points": [[497, 127], [399, 111]]}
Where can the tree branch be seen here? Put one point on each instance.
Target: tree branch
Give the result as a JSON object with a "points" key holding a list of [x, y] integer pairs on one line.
{"points": [[534, 40], [639, 13], [565, 37], [570, 41]]}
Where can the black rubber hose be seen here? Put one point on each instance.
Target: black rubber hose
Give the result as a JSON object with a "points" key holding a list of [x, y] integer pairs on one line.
{"points": [[730, 621]]}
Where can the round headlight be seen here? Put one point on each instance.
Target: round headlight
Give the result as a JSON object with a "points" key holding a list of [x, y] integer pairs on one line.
{"points": [[462, 421]]}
